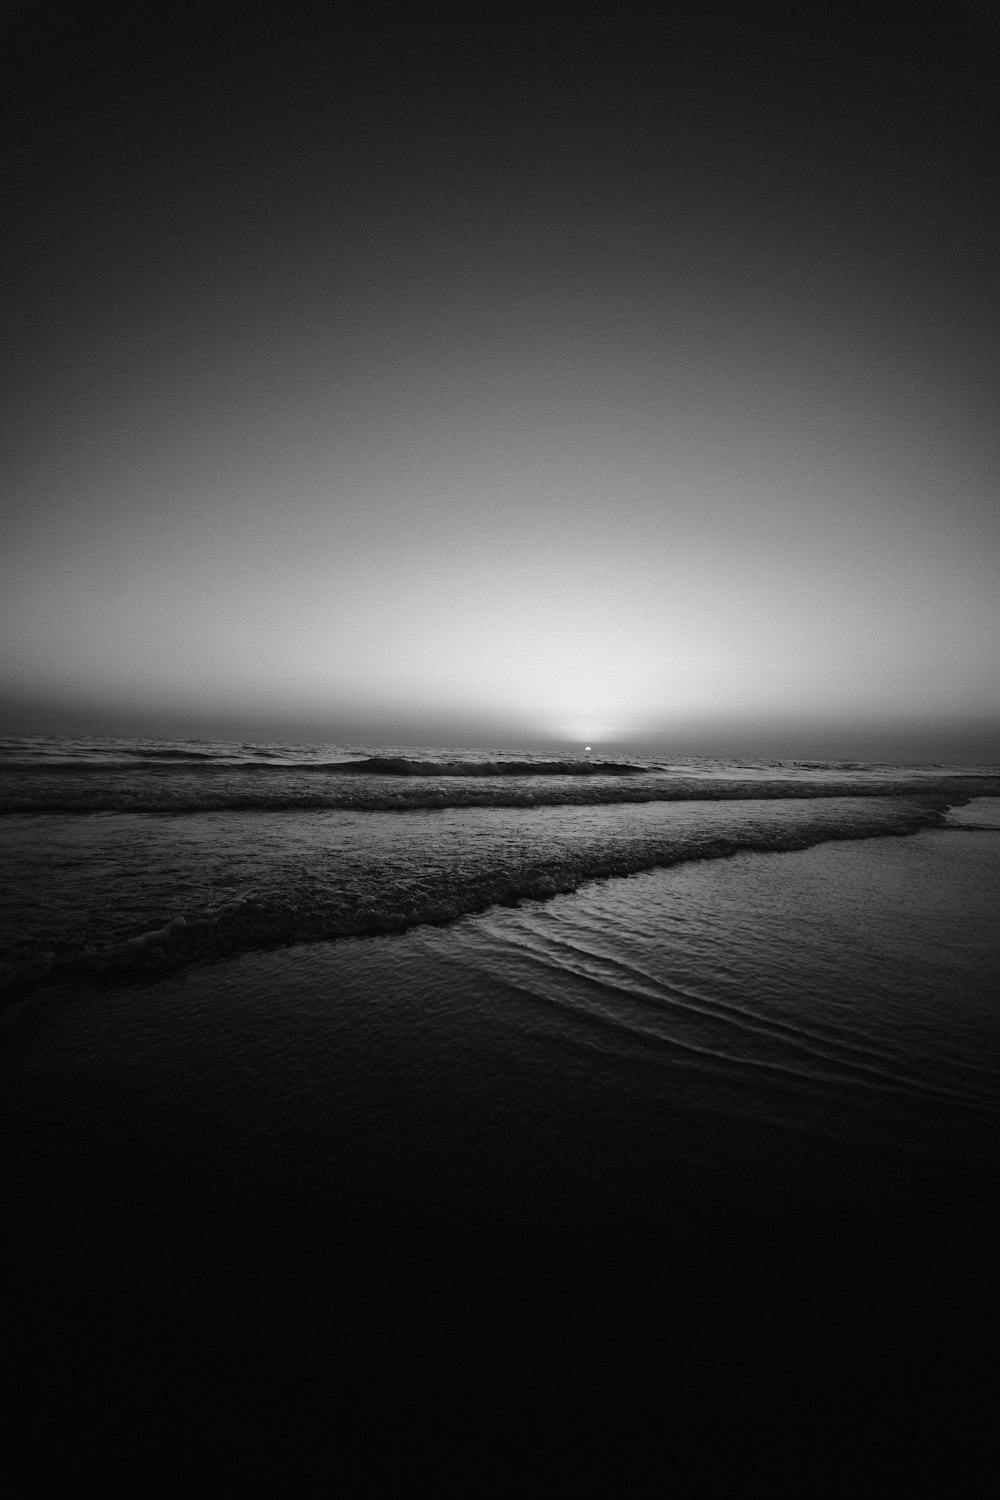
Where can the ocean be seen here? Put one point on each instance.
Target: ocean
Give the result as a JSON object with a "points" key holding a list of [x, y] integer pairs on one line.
{"points": [[445, 1068]]}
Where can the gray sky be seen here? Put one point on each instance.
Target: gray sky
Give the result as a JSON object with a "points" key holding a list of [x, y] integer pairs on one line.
{"points": [[439, 378]]}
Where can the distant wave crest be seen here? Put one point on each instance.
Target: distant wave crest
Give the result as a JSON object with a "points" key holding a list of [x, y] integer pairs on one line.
{"points": [[168, 754], [377, 765]]}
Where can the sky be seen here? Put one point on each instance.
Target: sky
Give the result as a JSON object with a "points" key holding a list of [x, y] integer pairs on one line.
{"points": [[440, 373]]}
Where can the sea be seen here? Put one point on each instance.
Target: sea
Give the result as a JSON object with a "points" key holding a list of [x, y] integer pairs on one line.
{"points": [[341, 1080]]}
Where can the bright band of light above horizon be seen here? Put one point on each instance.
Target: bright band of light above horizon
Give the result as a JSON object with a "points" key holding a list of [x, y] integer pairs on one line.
{"points": [[486, 435]]}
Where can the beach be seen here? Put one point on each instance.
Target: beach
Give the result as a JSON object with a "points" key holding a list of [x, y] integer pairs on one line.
{"points": [[741, 1108]]}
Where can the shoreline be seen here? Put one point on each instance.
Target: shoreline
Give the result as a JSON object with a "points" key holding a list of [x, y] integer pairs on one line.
{"points": [[248, 921]]}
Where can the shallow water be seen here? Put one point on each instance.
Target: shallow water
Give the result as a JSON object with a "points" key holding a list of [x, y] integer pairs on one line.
{"points": [[125, 856]]}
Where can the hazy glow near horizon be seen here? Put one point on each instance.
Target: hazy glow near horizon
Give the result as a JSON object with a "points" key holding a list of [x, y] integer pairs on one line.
{"points": [[593, 462]]}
